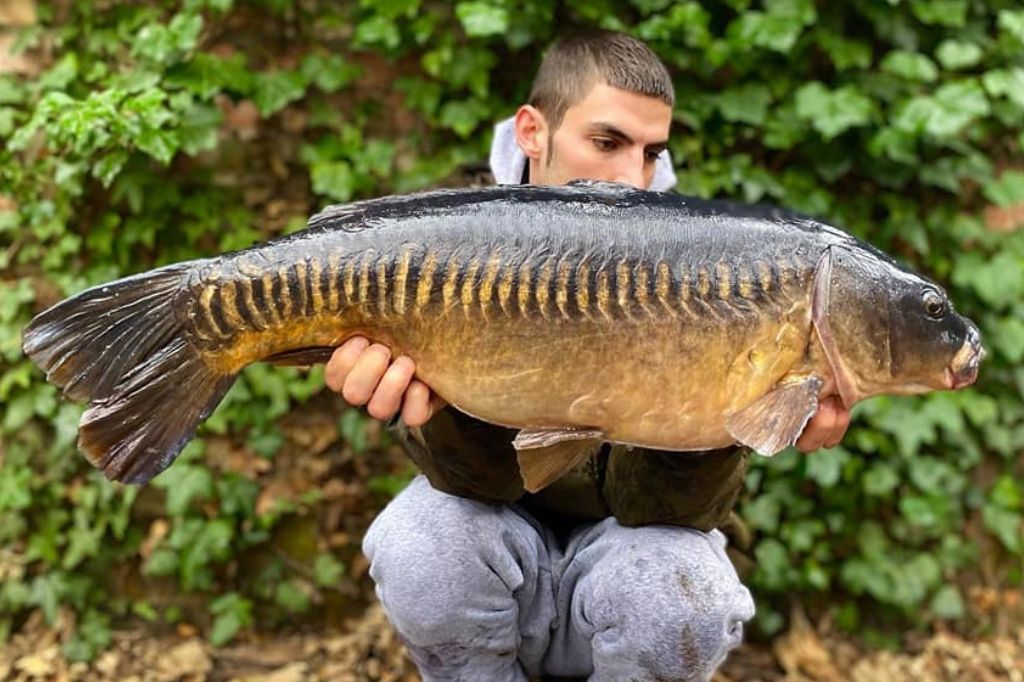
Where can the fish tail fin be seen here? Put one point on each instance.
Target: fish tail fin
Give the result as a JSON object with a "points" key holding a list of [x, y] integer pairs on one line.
{"points": [[122, 348]]}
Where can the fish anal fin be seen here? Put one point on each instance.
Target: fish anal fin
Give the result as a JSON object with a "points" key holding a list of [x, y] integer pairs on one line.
{"points": [[545, 455], [775, 421], [311, 355]]}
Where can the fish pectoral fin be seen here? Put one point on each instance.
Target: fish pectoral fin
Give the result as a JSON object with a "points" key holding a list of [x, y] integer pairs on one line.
{"points": [[312, 355], [545, 455], [776, 420]]}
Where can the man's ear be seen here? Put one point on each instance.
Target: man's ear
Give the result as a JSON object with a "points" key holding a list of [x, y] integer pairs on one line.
{"points": [[531, 132]]}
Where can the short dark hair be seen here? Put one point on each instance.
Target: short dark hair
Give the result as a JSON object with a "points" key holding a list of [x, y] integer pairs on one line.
{"points": [[575, 63]]}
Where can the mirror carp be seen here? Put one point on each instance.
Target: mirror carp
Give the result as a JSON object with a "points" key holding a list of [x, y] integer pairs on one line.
{"points": [[580, 314]]}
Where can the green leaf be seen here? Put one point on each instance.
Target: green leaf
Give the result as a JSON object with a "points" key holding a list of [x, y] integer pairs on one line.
{"points": [[333, 179], [274, 90], [184, 483], [954, 54], [327, 570], [1006, 493], [941, 12], [1007, 335], [1008, 526], [947, 602], [330, 72], [833, 112], [999, 281], [1012, 21], [158, 143], [291, 596], [481, 19], [910, 65], [1006, 83], [1007, 189], [207, 74], [232, 613], [947, 112], [746, 104]]}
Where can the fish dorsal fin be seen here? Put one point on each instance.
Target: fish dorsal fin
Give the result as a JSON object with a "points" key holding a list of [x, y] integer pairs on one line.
{"points": [[603, 185], [775, 421], [545, 455]]}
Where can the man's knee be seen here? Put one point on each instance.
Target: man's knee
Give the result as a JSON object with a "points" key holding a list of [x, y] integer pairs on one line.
{"points": [[447, 569], [661, 603]]}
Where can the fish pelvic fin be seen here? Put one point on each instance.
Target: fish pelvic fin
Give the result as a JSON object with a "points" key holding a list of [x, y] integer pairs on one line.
{"points": [[122, 348], [775, 421], [545, 455]]}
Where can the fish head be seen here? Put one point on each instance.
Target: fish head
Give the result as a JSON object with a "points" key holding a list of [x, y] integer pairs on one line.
{"points": [[886, 329]]}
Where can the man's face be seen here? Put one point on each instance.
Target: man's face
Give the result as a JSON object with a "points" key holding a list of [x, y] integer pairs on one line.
{"points": [[611, 134]]}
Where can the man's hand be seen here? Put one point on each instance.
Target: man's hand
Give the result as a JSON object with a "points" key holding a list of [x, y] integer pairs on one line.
{"points": [[365, 374], [827, 427]]}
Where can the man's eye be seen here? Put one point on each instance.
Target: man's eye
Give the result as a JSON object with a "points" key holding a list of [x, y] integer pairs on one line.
{"points": [[652, 156], [604, 144]]}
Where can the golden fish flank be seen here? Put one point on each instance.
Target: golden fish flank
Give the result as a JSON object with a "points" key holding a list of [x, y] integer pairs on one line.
{"points": [[333, 281], [451, 275], [365, 265], [583, 288], [425, 285], [468, 294], [487, 282], [401, 281], [603, 294], [505, 284], [543, 288], [562, 287], [382, 287], [663, 288], [622, 276], [523, 288]]}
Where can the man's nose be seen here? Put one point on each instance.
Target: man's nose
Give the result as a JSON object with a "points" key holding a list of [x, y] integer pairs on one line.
{"points": [[632, 173]]}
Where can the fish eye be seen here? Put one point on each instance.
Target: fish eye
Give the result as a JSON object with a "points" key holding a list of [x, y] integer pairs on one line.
{"points": [[934, 304]]}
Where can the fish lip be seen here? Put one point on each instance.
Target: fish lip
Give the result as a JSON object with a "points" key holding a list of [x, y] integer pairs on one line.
{"points": [[963, 369]]}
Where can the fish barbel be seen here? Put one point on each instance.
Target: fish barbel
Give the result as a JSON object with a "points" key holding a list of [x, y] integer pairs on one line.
{"points": [[579, 314]]}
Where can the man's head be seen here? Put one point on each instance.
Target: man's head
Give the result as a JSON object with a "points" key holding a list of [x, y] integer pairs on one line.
{"points": [[600, 109]]}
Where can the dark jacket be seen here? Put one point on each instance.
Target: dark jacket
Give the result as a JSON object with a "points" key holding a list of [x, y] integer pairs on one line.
{"points": [[470, 458]]}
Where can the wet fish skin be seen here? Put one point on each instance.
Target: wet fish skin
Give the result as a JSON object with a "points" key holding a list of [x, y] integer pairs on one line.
{"points": [[652, 319]]}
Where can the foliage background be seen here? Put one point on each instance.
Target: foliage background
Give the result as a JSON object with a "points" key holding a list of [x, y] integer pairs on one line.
{"points": [[136, 134]]}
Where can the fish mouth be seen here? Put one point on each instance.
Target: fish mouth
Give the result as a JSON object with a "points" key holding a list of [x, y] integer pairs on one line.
{"points": [[963, 369]]}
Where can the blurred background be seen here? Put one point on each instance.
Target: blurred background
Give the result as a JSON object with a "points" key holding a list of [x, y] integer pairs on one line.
{"points": [[134, 134]]}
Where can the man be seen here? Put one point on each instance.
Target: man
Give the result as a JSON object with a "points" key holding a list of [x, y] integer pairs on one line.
{"points": [[615, 572]]}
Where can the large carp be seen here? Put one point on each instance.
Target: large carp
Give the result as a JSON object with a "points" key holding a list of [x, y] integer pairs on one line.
{"points": [[579, 314]]}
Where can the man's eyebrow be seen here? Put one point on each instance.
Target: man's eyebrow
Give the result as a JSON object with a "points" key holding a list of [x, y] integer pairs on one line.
{"points": [[612, 131]]}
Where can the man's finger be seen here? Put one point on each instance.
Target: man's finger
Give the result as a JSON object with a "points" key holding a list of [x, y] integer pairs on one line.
{"points": [[839, 430], [416, 408], [366, 374], [387, 397], [342, 361], [819, 427]]}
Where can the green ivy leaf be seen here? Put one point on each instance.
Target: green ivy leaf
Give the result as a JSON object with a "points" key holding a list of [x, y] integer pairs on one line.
{"points": [[1007, 83], [327, 570], [947, 602], [274, 90], [941, 12], [480, 19], [910, 65], [184, 483], [833, 112], [1007, 189], [207, 74], [955, 54], [1012, 21], [745, 104], [232, 613]]}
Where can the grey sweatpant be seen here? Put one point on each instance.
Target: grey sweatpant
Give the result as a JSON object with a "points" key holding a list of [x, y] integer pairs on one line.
{"points": [[484, 592]]}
